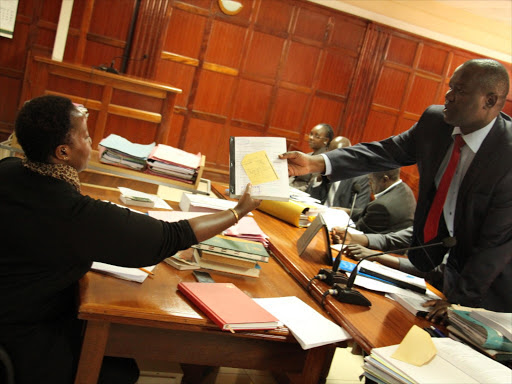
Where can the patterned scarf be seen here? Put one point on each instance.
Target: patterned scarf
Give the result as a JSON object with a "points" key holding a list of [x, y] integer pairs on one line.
{"points": [[58, 171]]}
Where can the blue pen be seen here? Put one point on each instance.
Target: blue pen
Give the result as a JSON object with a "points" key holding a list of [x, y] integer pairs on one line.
{"points": [[437, 331]]}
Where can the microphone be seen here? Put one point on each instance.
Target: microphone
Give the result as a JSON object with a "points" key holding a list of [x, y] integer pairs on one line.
{"points": [[333, 276], [111, 69], [345, 293]]}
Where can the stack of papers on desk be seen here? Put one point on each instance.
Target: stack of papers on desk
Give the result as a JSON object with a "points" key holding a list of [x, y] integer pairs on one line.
{"points": [[454, 363], [191, 202], [131, 274], [173, 163], [309, 327], [248, 229], [117, 150], [131, 193]]}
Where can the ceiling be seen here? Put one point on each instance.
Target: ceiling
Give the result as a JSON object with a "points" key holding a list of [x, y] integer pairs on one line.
{"points": [[500, 10]]}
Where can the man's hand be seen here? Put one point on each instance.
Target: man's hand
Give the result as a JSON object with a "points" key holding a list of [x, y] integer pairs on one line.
{"points": [[357, 252], [439, 312], [301, 164]]}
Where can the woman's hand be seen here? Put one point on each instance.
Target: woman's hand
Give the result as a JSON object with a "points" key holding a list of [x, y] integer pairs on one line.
{"points": [[246, 203]]}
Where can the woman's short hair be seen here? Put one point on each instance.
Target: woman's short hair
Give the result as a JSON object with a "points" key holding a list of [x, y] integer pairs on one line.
{"points": [[43, 124]]}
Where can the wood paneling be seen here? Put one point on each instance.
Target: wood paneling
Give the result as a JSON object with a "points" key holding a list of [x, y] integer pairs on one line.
{"points": [[279, 67]]}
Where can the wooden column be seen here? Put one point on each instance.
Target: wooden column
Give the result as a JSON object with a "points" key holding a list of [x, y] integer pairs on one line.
{"points": [[366, 77]]}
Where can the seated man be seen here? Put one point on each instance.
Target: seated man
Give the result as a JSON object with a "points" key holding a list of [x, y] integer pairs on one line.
{"points": [[393, 207], [340, 193], [319, 139]]}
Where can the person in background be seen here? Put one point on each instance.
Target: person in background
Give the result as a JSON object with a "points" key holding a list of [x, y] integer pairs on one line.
{"points": [[463, 150], [51, 234], [391, 210], [363, 245], [340, 193], [319, 139]]}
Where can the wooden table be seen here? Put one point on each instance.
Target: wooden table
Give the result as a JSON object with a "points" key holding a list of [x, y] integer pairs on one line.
{"points": [[384, 323], [153, 320]]}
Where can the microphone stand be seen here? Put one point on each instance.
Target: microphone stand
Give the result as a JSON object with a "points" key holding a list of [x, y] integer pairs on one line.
{"points": [[332, 276], [344, 292]]}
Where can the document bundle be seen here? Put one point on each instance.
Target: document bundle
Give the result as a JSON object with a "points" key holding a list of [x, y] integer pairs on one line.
{"points": [[487, 331], [161, 160], [231, 255]]}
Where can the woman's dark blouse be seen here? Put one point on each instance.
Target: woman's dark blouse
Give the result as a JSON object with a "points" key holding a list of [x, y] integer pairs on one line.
{"points": [[50, 235]]}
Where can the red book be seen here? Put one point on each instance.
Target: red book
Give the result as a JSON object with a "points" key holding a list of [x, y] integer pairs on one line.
{"points": [[228, 307]]}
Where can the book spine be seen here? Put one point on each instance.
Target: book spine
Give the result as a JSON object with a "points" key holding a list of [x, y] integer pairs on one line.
{"points": [[244, 255]]}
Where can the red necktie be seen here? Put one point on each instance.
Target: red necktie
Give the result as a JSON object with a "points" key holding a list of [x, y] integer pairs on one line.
{"points": [[432, 223]]}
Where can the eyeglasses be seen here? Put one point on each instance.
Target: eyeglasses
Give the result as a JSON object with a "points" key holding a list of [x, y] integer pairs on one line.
{"points": [[316, 136]]}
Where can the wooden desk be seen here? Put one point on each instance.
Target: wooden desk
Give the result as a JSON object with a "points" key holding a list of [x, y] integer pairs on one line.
{"points": [[384, 323], [154, 321]]}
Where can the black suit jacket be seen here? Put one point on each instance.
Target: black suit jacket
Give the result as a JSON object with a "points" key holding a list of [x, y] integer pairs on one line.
{"points": [[479, 269], [390, 212], [344, 193]]}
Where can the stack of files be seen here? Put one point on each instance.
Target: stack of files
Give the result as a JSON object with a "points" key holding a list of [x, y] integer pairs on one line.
{"points": [[183, 260], [248, 229], [465, 327], [228, 306], [116, 150], [454, 363], [173, 163], [231, 255], [191, 202]]}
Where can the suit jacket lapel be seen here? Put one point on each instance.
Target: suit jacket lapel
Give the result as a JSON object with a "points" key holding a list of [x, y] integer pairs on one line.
{"points": [[481, 162]]}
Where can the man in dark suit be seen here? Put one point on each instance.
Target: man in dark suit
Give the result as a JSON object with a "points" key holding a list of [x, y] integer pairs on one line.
{"points": [[393, 206], [478, 208], [340, 193]]}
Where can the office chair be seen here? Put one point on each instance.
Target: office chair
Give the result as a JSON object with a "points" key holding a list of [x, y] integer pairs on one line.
{"points": [[6, 368]]}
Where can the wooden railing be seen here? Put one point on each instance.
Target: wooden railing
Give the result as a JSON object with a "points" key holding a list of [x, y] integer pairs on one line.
{"points": [[116, 102]]}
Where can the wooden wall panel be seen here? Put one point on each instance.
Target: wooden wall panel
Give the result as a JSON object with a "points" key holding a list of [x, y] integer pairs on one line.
{"points": [[423, 92], [301, 64], [288, 112], [225, 44], [391, 87], [142, 132], [263, 55], [185, 33], [277, 68], [179, 74], [337, 74], [433, 60], [214, 93], [251, 102], [380, 125], [274, 17], [200, 131]]}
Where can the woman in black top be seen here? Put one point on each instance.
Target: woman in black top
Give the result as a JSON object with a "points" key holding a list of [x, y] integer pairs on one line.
{"points": [[51, 233]]}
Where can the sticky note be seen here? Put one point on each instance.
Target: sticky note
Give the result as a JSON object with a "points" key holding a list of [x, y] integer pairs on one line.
{"points": [[258, 167], [416, 348]]}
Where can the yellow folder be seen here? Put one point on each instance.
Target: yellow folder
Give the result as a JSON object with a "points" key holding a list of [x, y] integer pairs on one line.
{"points": [[289, 211]]}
